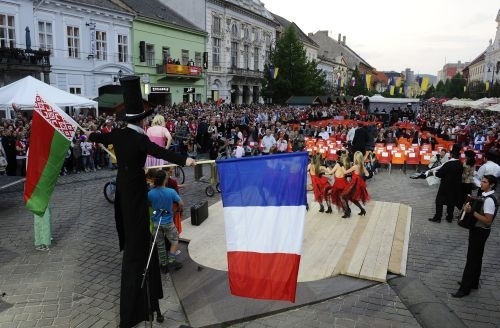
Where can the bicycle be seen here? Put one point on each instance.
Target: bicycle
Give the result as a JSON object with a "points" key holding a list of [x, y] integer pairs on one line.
{"points": [[110, 191], [179, 174]]}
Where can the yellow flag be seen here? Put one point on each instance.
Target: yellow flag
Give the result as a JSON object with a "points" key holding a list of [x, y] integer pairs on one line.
{"points": [[392, 90], [425, 83], [368, 81], [276, 69], [487, 85]]}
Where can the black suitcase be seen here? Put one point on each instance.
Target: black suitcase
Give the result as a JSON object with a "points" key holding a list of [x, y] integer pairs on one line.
{"points": [[199, 212]]}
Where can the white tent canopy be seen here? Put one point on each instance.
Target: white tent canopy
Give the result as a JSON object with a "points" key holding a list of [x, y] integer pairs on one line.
{"points": [[483, 103], [495, 108], [22, 93], [458, 103], [381, 99]]}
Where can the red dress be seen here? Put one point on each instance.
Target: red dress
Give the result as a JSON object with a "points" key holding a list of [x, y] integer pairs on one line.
{"points": [[338, 187], [356, 190], [319, 184]]}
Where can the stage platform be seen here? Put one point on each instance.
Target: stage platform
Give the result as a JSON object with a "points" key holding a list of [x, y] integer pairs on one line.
{"points": [[338, 256]]}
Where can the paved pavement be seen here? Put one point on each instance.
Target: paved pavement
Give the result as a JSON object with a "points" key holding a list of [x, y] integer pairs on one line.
{"points": [[76, 283]]}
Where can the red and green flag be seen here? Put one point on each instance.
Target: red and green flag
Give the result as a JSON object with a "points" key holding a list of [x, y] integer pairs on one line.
{"points": [[51, 133]]}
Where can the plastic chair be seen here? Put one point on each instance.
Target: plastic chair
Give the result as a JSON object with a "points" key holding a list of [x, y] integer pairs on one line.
{"points": [[384, 157], [398, 158], [413, 158], [425, 159]]}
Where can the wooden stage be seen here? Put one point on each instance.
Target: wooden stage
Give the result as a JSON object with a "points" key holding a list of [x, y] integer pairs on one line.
{"points": [[366, 247]]}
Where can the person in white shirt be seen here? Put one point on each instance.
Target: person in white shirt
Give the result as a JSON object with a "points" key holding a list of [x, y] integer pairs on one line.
{"points": [[488, 168], [268, 143], [350, 134], [323, 134], [239, 151], [282, 143]]}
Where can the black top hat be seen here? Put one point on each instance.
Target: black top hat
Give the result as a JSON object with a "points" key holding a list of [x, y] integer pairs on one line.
{"points": [[132, 98]]}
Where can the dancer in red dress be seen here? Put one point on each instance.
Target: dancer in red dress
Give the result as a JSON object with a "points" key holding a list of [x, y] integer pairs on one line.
{"points": [[340, 182], [356, 190], [318, 180]]}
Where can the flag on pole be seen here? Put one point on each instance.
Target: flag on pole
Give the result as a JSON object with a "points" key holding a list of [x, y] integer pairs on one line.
{"points": [[425, 83], [264, 201], [368, 81], [51, 133]]}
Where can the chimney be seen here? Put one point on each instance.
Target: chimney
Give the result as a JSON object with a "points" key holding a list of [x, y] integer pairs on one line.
{"points": [[343, 40], [340, 36]]}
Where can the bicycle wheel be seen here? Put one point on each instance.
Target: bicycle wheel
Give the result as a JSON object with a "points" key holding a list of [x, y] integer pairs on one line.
{"points": [[179, 174], [209, 191], [109, 191]]}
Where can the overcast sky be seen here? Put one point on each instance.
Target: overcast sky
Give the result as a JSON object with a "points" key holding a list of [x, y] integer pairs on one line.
{"points": [[394, 35]]}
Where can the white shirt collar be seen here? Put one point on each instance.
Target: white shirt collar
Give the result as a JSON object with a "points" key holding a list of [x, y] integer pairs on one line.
{"points": [[136, 128], [487, 193]]}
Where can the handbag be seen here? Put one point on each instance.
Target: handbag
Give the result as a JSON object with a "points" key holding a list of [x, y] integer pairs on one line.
{"points": [[432, 180]]}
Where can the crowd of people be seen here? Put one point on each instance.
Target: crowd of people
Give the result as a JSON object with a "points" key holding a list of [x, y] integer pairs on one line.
{"points": [[194, 129]]}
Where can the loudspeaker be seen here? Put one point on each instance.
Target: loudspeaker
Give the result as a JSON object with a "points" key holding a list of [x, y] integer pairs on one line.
{"points": [[199, 212]]}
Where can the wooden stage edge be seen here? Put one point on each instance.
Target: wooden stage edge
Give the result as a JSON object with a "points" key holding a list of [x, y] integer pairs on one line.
{"points": [[367, 247]]}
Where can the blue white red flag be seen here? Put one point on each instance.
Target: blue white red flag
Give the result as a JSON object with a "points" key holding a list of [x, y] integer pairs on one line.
{"points": [[264, 201]]}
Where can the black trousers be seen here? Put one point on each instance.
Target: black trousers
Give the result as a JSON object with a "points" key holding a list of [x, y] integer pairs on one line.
{"points": [[472, 270], [439, 208]]}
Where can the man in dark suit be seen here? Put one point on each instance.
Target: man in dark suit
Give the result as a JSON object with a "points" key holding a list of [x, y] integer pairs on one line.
{"points": [[132, 146], [450, 174], [418, 139], [360, 140]]}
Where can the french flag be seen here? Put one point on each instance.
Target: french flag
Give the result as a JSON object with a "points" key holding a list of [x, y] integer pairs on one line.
{"points": [[264, 201]]}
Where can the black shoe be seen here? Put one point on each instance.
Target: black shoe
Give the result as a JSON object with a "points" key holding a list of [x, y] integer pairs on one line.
{"points": [[449, 219], [174, 266], [307, 207], [329, 210], [363, 212], [438, 220], [347, 214], [473, 287], [321, 208], [159, 317], [460, 294]]}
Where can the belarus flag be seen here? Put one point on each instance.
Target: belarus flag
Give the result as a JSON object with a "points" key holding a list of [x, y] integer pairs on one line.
{"points": [[264, 200], [51, 133]]}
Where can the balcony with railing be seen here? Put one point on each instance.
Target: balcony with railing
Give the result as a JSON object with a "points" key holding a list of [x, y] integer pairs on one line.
{"points": [[246, 73], [22, 57]]}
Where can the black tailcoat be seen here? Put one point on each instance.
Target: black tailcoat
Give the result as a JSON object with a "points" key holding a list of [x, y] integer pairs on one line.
{"points": [[132, 218]]}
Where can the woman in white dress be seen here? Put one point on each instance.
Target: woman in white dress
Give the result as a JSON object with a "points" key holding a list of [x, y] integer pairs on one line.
{"points": [[160, 135]]}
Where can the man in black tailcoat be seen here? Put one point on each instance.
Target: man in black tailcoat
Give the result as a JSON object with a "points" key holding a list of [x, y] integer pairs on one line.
{"points": [[451, 181], [132, 146]]}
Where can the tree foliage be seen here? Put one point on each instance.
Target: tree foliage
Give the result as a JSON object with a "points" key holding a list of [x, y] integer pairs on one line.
{"points": [[296, 75]]}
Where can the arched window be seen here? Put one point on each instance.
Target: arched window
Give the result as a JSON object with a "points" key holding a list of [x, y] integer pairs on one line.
{"points": [[246, 34], [234, 31]]}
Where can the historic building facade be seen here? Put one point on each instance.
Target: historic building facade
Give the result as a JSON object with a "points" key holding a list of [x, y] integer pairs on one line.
{"points": [[240, 36]]}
